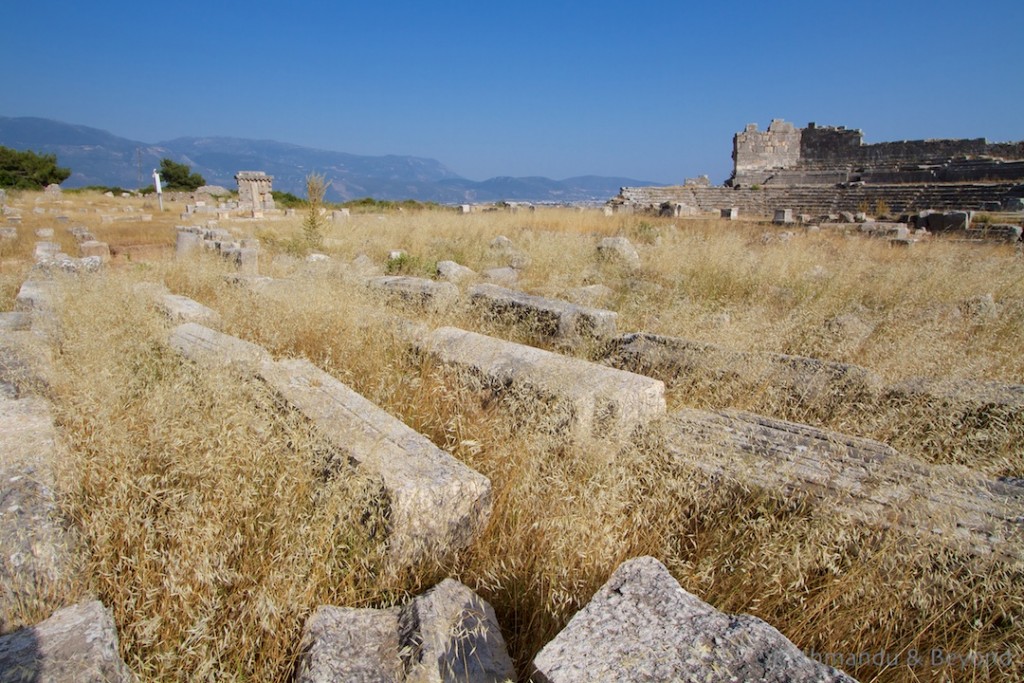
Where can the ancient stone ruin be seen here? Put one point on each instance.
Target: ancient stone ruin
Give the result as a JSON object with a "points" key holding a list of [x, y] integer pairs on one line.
{"points": [[254, 191], [826, 169]]}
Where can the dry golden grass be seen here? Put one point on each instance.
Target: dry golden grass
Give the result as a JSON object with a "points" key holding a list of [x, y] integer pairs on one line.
{"points": [[212, 532]]}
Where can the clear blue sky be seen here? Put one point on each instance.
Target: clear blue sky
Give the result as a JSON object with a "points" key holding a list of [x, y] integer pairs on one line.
{"points": [[648, 90]]}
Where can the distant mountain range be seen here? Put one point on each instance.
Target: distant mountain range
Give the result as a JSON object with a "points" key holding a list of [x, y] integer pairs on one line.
{"points": [[97, 157]]}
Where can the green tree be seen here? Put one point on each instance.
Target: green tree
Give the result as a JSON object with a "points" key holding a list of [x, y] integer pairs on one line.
{"points": [[313, 226], [28, 170], [177, 176]]}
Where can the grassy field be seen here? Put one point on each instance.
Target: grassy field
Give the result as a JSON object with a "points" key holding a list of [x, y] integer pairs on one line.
{"points": [[210, 531]]}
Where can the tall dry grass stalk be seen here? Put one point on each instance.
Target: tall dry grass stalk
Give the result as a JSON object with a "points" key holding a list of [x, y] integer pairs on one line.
{"points": [[212, 532]]}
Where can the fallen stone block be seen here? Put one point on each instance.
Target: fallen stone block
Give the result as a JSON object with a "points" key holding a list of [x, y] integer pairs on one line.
{"points": [[550, 318], [35, 560], [78, 644], [805, 380], [36, 295], [94, 248], [206, 346], [589, 399], [621, 250], [437, 503], [416, 290], [450, 271], [997, 232], [863, 480], [183, 309], [447, 634], [13, 321], [502, 276], [642, 626]]}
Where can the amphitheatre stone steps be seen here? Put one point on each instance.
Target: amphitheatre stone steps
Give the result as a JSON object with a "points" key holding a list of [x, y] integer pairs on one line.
{"points": [[822, 199]]}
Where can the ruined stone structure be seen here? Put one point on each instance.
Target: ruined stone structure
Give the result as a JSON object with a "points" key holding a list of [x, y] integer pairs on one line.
{"points": [[254, 190], [826, 169]]}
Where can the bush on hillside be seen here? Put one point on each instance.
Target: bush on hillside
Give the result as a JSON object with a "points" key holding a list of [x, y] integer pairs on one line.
{"points": [[177, 176]]}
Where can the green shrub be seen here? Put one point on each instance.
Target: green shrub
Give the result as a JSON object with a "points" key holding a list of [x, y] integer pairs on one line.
{"points": [[28, 170]]}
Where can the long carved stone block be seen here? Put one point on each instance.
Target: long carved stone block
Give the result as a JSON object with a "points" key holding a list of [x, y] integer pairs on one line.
{"points": [[551, 318], [806, 379], [35, 295], [446, 634], [861, 479], [416, 290], [600, 401], [183, 309], [77, 644], [34, 550], [436, 502], [642, 626], [204, 345]]}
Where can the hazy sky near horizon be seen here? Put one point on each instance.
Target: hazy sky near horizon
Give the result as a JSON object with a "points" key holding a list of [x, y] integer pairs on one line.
{"points": [[650, 90]]}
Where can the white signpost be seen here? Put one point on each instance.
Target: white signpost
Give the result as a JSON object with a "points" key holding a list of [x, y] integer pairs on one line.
{"points": [[159, 190]]}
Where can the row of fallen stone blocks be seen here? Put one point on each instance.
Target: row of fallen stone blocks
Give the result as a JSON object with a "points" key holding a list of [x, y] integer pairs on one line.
{"points": [[244, 253], [641, 625]]}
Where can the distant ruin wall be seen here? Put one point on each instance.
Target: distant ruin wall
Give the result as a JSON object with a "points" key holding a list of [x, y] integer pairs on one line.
{"points": [[786, 155]]}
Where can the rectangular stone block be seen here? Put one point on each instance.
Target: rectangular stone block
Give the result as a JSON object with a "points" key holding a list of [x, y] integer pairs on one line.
{"points": [[415, 289], [183, 309], [436, 502], [552, 318], [805, 380], [783, 216], [730, 214], [35, 556], [35, 295], [597, 401], [206, 346], [94, 248], [642, 626], [863, 480]]}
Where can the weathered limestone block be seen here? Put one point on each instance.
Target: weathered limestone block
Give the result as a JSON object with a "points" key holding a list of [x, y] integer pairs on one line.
{"points": [[596, 401], [620, 250], [13, 321], [350, 644], [806, 380], [883, 229], [730, 214], [642, 626], [452, 635], [35, 560], [206, 346], [783, 216], [44, 233], [552, 318], [1000, 232], [502, 276], [94, 248], [450, 271], [25, 359], [416, 290], [183, 309], [447, 634], [35, 295], [941, 412], [46, 250], [590, 295], [436, 503], [863, 480], [78, 644]]}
